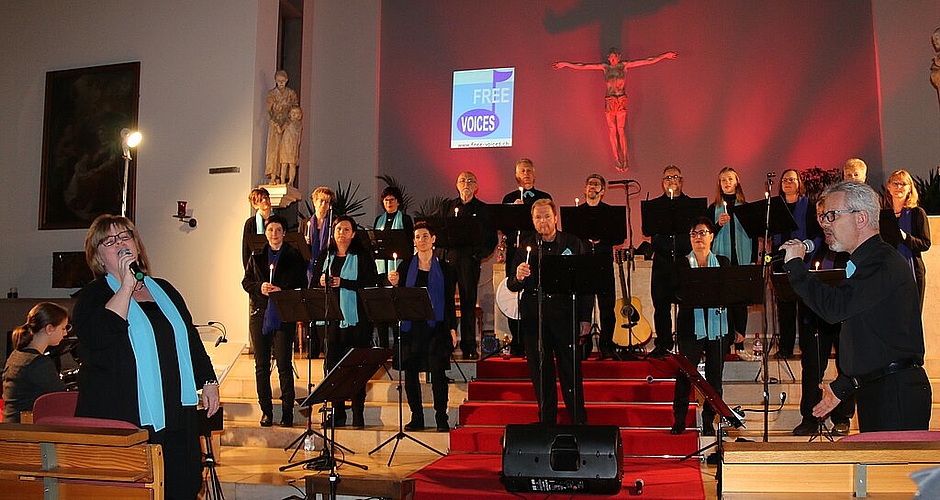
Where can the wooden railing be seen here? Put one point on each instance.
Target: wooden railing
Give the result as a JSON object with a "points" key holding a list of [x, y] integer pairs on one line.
{"points": [[51, 462]]}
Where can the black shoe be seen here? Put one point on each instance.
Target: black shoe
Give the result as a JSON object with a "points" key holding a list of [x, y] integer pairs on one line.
{"points": [[806, 428], [677, 429], [840, 429], [266, 420], [443, 427], [414, 426], [328, 422], [708, 429], [472, 355], [359, 421], [658, 352], [286, 422]]}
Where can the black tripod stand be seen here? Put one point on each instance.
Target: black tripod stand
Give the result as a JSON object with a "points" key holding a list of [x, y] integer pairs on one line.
{"points": [[213, 486], [307, 305], [394, 304]]}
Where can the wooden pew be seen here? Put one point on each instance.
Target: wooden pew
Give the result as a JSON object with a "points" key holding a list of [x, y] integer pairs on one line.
{"points": [[825, 470], [58, 462]]}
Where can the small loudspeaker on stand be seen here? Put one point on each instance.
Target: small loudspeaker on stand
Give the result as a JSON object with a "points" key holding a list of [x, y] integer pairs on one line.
{"points": [[575, 458]]}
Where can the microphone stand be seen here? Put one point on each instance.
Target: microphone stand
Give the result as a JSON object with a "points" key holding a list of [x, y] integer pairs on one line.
{"points": [[541, 342], [765, 354]]}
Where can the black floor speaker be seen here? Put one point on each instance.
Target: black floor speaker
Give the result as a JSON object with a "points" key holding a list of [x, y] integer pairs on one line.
{"points": [[568, 458]]}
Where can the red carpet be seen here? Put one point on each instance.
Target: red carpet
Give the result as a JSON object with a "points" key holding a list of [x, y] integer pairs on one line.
{"points": [[636, 396]]}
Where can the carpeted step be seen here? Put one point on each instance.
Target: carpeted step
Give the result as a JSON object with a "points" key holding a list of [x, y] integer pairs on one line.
{"points": [[635, 441], [608, 391], [516, 368], [620, 414]]}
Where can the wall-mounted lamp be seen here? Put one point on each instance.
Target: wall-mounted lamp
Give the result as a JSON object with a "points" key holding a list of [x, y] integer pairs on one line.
{"points": [[129, 139], [181, 214]]}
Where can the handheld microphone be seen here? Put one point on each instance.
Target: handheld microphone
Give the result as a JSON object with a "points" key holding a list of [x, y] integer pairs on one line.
{"points": [[135, 268], [781, 254], [771, 174], [620, 182]]}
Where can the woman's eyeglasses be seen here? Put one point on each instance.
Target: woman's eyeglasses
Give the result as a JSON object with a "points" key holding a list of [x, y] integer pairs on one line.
{"points": [[110, 241], [699, 234]]}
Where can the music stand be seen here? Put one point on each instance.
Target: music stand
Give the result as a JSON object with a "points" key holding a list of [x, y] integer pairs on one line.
{"points": [[453, 232], [572, 275], [678, 363], [753, 217], [349, 376], [397, 304], [384, 243], [307, 305], [670, 217], [511, 217]]}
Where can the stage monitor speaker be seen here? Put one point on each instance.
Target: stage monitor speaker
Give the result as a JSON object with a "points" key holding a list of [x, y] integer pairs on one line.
{"points": [[572, 458]]}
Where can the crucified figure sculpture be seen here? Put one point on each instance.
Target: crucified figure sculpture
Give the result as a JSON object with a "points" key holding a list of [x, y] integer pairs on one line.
{"points": [[615, 100]]}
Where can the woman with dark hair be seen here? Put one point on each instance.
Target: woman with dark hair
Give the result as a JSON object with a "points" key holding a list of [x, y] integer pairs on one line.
{"points": [[277, 266], [426, 346], [700, 331], [730, 239], [347, 266], [793, 194], [142, 359], [29, 374], [394, 218], [909, 231]]}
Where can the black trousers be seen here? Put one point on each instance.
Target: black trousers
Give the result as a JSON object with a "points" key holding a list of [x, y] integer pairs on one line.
{"points": [[663, 293], [415, 400], [897, 402], [693, 349], [281, 342], [182, 456], [467, 271], [815, 346], [786, 319], [557, 338]]}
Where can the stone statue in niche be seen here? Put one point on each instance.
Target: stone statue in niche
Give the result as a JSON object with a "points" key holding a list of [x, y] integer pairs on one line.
{"points": [[278, 104], [288, 154], [935, 62], [615, 98]]}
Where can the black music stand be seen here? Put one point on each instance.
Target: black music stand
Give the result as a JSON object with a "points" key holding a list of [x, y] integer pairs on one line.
{"points": [[307, 305], [388, 242], [256, 243], [349, 376], [753, 217], [511, 217], [733, 417], [397, 304], [453, 232], [672, 218], [571, 275]]}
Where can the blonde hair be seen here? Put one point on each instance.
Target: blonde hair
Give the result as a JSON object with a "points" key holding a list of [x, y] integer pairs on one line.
{"points": [[912, 197], [738, 190], [99, 230], [323, 190]]}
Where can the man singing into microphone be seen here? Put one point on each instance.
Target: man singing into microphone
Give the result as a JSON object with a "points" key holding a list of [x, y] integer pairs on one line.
{"points": [[881, 345], [556, 324]]}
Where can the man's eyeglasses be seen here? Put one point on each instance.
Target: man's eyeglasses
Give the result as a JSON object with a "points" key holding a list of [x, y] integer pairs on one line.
{"points": [[830, 216], [671, 177], [699, 234], [466, 181], [110, 241]]}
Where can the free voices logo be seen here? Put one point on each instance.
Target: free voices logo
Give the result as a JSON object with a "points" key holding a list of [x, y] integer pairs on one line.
{"points": [[482, 108]]}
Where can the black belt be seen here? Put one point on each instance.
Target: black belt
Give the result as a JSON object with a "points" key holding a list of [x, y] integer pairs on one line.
{"points": [[893, 367]]}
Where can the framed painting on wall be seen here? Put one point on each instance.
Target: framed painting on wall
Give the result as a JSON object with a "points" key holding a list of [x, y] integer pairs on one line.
{"points": [[82, 154]]}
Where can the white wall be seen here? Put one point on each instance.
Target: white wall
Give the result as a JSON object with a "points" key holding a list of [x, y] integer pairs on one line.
{"points": [[909, 107], [205, 67]]}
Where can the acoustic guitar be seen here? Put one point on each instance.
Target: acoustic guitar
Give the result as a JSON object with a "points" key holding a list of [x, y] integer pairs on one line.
{"points": [[630, 320]]}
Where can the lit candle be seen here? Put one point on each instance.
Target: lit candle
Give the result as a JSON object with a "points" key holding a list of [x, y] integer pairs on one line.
{"points": [[670, 193], [271, 268], [817, 265], [309, 222], [521, 190], [394, 258], [576, 201], [724, 205], [766, 195], [456, 210], [528, 250]]}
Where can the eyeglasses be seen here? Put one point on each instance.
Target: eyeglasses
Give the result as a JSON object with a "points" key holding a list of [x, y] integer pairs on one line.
{"points": [[110, 241], [790, 180], [466, 181], [699, 234], [830, 216], [671, 177], [900, 184]]}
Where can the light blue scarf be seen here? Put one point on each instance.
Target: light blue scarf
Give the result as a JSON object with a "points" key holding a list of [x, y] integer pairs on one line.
{"points": [[397, 223], [717, 317], [347, 298], [259, 223], [149, 379], [722, 243]]}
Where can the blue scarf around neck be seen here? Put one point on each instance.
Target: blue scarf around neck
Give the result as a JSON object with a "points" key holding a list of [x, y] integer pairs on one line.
{"points": [[435, 289], [717, 318], [397, 223], [347, 298], [147, 361]]}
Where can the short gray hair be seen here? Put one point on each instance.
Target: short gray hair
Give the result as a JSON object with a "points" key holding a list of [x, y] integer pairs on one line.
{"points": [[858, 196]]}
